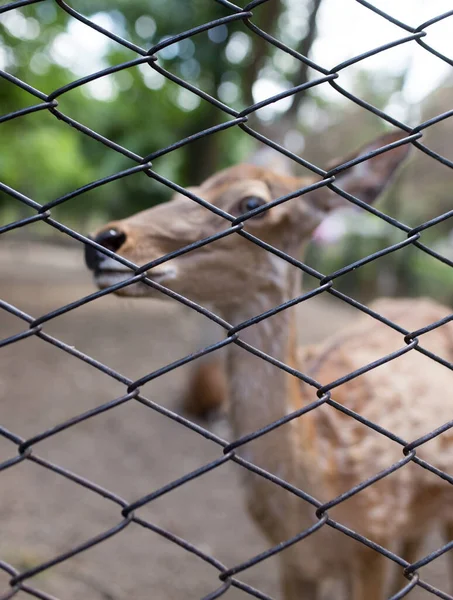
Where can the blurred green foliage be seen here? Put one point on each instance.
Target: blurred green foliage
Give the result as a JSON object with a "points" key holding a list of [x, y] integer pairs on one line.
{"points": [[137, 108]]}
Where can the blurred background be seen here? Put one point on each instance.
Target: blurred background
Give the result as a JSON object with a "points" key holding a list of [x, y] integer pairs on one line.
{"points": [[132, 450], [143, 111]]}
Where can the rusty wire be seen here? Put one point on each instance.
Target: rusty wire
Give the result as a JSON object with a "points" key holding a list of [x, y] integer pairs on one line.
{"points": [[25, 449]]}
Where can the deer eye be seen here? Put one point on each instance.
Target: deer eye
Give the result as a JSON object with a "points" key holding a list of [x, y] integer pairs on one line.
{"points": [[250, 203]]}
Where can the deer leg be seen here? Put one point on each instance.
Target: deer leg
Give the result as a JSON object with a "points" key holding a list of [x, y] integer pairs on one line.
{"points": [[207, 388], [368, 576], [296, 587], [449, 536], [409, 552]]}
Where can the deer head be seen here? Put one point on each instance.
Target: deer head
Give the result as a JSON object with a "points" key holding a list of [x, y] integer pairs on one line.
{"points": [[231, 269]]}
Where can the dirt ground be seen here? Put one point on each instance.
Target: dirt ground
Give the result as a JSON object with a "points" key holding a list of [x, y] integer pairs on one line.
{"points": [[131, 450]]}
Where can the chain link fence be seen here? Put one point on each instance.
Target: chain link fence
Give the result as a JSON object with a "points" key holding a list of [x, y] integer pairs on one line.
{"points": [[28, 449]]}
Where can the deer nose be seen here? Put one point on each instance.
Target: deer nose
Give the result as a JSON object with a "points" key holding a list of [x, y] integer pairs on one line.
{"points": [[111, 238]]}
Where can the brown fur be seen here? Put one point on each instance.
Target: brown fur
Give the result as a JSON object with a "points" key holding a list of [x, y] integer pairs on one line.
{"points": [[207, 389]]}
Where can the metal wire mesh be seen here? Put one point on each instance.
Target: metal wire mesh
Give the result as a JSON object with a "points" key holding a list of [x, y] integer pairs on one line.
{"points": [[26, 449]]}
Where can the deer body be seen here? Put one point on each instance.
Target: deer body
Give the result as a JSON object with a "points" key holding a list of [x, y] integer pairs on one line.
{"points": [[323, 452], [326, 453]]}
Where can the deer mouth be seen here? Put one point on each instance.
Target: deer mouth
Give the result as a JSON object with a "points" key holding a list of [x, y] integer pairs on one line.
{"points": [[114, 274]]}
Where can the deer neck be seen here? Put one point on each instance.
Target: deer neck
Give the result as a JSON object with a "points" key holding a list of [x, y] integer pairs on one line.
{"points": [[260, 392]]}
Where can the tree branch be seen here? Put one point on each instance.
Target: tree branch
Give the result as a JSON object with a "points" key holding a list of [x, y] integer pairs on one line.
{"points": [[304, 48]]}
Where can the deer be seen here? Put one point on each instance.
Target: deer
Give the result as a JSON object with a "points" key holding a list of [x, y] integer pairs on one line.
{"points": [[323, 452], [206, 394]]}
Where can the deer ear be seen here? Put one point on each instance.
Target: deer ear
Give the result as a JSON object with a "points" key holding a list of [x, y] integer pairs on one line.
{"points": [[365, 180]]}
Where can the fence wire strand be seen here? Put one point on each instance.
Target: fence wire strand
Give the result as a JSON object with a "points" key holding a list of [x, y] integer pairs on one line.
{"points": [[28, 449]]}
